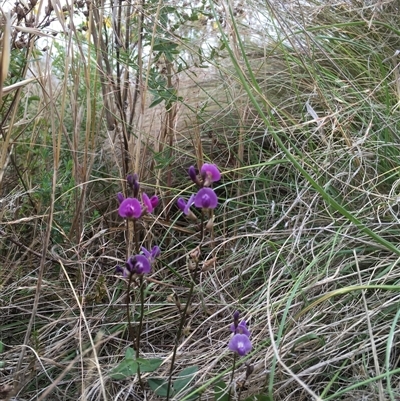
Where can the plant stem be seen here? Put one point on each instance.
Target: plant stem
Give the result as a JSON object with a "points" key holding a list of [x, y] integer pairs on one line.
{"points": [[232, 376], [201, 227], [185, 310], [140, 378], [141, 315], [136, 237], [179, 333], [128, 313]]}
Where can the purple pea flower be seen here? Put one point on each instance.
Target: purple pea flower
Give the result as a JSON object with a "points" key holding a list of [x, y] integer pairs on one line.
{"points": [[210, 174], [241, 344], [130, 209], [138, 264], [150, 203], [151, 255], [206, 198], [185, 207], [241, 328]]}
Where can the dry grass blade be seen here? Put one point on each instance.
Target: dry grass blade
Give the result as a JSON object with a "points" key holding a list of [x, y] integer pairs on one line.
{"points": [[8, 89], [5, 49]]}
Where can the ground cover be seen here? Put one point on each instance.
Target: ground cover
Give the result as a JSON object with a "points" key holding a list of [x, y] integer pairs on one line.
{"points": [[296, 105]]}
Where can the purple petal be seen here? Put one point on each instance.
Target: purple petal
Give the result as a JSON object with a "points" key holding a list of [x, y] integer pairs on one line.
{"points": [[146, 201], [210, 173], [130, 265], [154, 201], [240, 344], [119, 269], [188, 204], [130, 180], [181, 204], [120, 197], [185, 206], [192, 173], [206, 198], [240, 328], [155, 252], [151, 256], [142, 264], [133, 183], [130, 209], [145, 252]]}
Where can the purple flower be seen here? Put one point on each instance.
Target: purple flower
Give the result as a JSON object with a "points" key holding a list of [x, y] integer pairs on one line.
{"points": [[236, 315], [120, 197], [181, 203], [210, 174], [133, 184], [154, 201], [185, 206], [151, 255], [130, 209], [138, 264], [150, 203], [193, 175], [206, 198], [241, 328], [120, 270], [241, 344]]}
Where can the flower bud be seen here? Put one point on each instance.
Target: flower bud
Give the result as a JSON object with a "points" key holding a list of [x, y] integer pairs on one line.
{"points": [[120, 197]]}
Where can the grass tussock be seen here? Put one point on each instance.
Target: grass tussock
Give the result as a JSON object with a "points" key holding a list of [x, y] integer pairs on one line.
{"points": [[297, 104]]}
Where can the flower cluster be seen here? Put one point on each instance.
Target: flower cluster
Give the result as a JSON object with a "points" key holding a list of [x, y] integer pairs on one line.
{"points": [[240, 341], [131, 208], [139, 264], [205, 198]]}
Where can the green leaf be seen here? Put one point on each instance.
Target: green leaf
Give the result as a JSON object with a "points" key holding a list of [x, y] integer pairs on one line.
{"points": [[166, 46], [126, 368], [33, 98], [160, 387], [130, 353], [156, 102], [149, 365], [221, 392], [184, 378]]}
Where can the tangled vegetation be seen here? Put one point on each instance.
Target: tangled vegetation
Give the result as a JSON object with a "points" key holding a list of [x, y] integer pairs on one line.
{"points": [[278, 279]]}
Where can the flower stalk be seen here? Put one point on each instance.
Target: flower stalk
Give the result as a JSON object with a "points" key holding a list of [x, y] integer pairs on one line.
{"points": [[240, 345], [141, 290], [140, 264], [206, 200]]}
